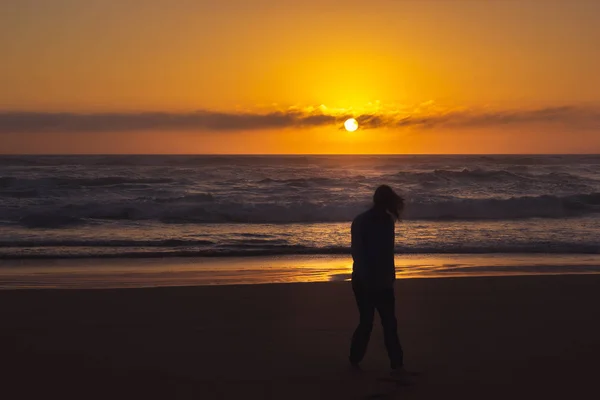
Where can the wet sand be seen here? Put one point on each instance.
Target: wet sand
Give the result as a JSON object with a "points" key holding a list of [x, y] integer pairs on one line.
{"points": [[472, 338], [126, 273]]}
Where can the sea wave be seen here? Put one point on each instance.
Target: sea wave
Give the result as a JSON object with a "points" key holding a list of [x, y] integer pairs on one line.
{"points": [[205, 208], [7, 182], [481, 176], [465, 174], [174, 243], [481, 180], [185, 249]]}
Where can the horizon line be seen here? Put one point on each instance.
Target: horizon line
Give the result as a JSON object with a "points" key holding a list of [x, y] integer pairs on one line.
{"points": [[291, 154]]}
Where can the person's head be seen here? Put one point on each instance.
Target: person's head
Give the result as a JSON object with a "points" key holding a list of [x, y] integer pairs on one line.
{"points": [[386, 199]]}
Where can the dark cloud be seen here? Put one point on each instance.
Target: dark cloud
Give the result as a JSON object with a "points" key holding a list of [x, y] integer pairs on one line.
{"points": [[27, 122], [569, 116], [33, 122]]}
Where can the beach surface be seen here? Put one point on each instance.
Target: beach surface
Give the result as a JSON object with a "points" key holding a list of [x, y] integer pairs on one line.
{"points": [[518, 337]]}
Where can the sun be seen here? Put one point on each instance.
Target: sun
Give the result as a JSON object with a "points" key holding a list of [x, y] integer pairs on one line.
{"points": [[351, 125]]}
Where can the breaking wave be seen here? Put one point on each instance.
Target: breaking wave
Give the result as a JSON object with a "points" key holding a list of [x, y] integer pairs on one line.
{"points": [[205, 208]]}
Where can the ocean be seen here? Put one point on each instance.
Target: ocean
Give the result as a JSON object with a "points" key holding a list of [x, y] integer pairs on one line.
{"points": [[168, 207]]}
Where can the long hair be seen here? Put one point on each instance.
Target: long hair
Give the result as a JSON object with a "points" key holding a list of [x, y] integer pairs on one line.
{"points": [[386, 199]]}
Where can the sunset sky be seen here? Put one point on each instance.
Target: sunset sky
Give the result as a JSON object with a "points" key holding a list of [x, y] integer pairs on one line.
{"points": [[282, 76]]}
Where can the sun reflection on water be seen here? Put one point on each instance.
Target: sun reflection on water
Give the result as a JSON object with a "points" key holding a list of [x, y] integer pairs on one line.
{"points": [[124, 273]]}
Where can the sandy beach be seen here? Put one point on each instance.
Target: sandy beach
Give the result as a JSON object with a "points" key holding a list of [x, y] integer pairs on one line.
{"points": [[472, 338]]}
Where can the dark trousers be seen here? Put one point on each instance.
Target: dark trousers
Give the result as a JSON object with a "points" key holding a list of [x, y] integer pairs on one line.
{"points": [[382, 300]]}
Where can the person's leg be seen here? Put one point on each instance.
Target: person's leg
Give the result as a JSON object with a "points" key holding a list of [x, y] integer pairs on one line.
{"points": [[362, 334], [386, 306]]}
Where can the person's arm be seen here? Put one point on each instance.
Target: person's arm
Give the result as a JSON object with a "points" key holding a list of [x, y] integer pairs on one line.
{"points": [[356, 243], [391, 240]]}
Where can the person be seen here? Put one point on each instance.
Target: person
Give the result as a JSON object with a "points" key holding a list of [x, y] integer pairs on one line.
{"points": [[373, 275]]}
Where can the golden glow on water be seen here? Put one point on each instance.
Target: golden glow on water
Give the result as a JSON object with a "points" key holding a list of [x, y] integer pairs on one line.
{"points": [[121, 273]]}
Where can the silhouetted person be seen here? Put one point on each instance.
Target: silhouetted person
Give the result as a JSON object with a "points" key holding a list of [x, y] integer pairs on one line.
{"points": [[374, 273]]}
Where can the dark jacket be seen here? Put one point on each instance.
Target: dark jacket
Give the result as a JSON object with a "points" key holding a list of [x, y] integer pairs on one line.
{"points": [[373, 238]]}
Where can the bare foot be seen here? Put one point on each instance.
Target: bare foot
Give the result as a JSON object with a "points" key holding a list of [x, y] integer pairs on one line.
{"points": [[408, 372], [402, 377], [355, 367]]}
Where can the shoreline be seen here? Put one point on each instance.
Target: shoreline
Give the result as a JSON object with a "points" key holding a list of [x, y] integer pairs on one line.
{"points": [[235, 286], [198, 271]]}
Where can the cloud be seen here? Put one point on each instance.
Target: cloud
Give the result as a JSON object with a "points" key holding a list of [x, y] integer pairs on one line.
{"points": [[27, 122], [568, 116], [38, 122]]}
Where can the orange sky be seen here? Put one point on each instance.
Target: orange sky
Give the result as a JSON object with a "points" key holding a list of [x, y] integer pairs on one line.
{"points": [[461, 76]]}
